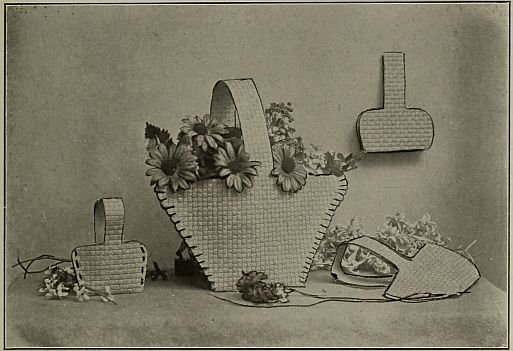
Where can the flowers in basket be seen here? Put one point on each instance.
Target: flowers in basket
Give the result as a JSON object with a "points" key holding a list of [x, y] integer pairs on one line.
{"points": [[397, 232], [205, 148]]}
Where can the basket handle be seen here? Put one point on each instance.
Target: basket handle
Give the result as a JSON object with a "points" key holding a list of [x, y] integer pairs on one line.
{"points": [[239, 98], [109, 218], [394, 81]]}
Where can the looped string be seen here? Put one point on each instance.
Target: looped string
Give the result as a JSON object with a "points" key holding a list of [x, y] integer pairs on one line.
{"points": [[38, 258]]}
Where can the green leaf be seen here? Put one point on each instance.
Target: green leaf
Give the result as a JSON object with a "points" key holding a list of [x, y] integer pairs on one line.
{"points": [[156, 133]]}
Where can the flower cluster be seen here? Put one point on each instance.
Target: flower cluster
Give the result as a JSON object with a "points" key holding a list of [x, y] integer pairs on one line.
{"points": [[407, 238], [309, 159], [396, 232], [291, 175], [60, 283], [278, 118], [205, 148], [254, 288]]}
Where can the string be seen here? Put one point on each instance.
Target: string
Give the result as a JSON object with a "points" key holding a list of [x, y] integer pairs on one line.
{"points": [[38, 258]]}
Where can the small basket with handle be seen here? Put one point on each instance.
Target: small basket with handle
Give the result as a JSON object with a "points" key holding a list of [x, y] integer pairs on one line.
{"points": [[112, 262]]}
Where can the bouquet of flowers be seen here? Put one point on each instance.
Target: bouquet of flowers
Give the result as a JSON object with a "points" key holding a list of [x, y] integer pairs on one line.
{"points": [[206, 148]]}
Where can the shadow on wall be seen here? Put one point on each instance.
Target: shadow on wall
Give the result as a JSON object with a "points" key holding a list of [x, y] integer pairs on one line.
{"points": [[379, 160], [480, 178]]}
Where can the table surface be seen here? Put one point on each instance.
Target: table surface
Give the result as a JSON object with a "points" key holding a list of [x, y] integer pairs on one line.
{"points": [[179, 312]]}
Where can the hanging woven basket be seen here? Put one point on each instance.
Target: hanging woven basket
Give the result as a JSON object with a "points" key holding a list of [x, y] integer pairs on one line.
{"points": [[262, 228]]}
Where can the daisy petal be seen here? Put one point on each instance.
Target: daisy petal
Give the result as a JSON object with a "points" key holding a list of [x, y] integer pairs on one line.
{"points": [[164, 151], [294, 185], [230, 151], [277, 156], [155, 153], [163, 181], [246, 181], [286, 184], [218, 137], [187, 175], [154, 162], [223, 155], [238, 184], [211, 142], [300, 171], [251, 170], [152, 171], [183, 184], [156, 177], [199, 139], [230, 180], [281, 178], [223, 172]]}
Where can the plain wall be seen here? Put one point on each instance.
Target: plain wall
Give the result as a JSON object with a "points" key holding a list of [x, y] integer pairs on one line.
{"points": [[83, 80]]}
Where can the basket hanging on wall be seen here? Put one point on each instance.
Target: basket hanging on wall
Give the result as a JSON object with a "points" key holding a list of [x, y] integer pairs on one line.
{"points": [[394, 127], [262, 228], [120, 265]]}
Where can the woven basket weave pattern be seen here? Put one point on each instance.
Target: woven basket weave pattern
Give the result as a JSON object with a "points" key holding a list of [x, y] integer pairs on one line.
{"points": [[120, 265], [434, 270], [261, 228]]}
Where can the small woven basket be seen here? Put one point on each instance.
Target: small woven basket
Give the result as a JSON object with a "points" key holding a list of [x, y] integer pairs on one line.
{"points": [[262, 228], [113, 262]]}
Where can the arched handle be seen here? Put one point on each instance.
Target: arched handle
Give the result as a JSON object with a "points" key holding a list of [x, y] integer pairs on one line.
{"points": [[109, 219], [239, 98]]}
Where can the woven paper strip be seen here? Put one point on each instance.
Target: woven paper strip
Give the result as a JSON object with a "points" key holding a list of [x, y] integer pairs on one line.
{"points": [[395, 127], [434, 272], [120, 265]]}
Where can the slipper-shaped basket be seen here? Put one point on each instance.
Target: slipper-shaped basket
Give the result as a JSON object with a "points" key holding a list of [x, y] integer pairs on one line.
{"points": [[262, 228]]}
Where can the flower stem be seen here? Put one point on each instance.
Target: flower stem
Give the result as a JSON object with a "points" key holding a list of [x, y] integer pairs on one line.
{"points": [[99, 293]]}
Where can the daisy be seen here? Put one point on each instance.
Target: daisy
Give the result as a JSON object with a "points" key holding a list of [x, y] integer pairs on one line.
{"points": [[235, 167], [205, 131], [291, 175], [174, 167]]}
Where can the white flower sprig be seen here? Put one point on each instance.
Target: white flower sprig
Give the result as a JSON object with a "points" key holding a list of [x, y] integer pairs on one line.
{"points": [[60, 282]]}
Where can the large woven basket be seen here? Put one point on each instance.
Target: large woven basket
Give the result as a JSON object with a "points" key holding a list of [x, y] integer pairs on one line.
{"points": [[262, 228]]}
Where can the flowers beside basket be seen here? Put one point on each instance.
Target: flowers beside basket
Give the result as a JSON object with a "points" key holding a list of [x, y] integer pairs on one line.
{"points": [[205, 148]]}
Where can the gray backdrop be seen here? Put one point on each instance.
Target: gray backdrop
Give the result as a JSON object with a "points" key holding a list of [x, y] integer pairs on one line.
{"points": [[83, 80]]}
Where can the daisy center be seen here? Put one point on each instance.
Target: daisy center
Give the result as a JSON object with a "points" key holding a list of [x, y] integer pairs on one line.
{"points": [[288, 165], [169, 167], [200, 128], [236, 166]]}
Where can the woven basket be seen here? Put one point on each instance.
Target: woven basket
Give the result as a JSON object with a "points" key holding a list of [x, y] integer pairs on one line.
{"points": [[120, 265], [262, 228], [395, 127]]}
